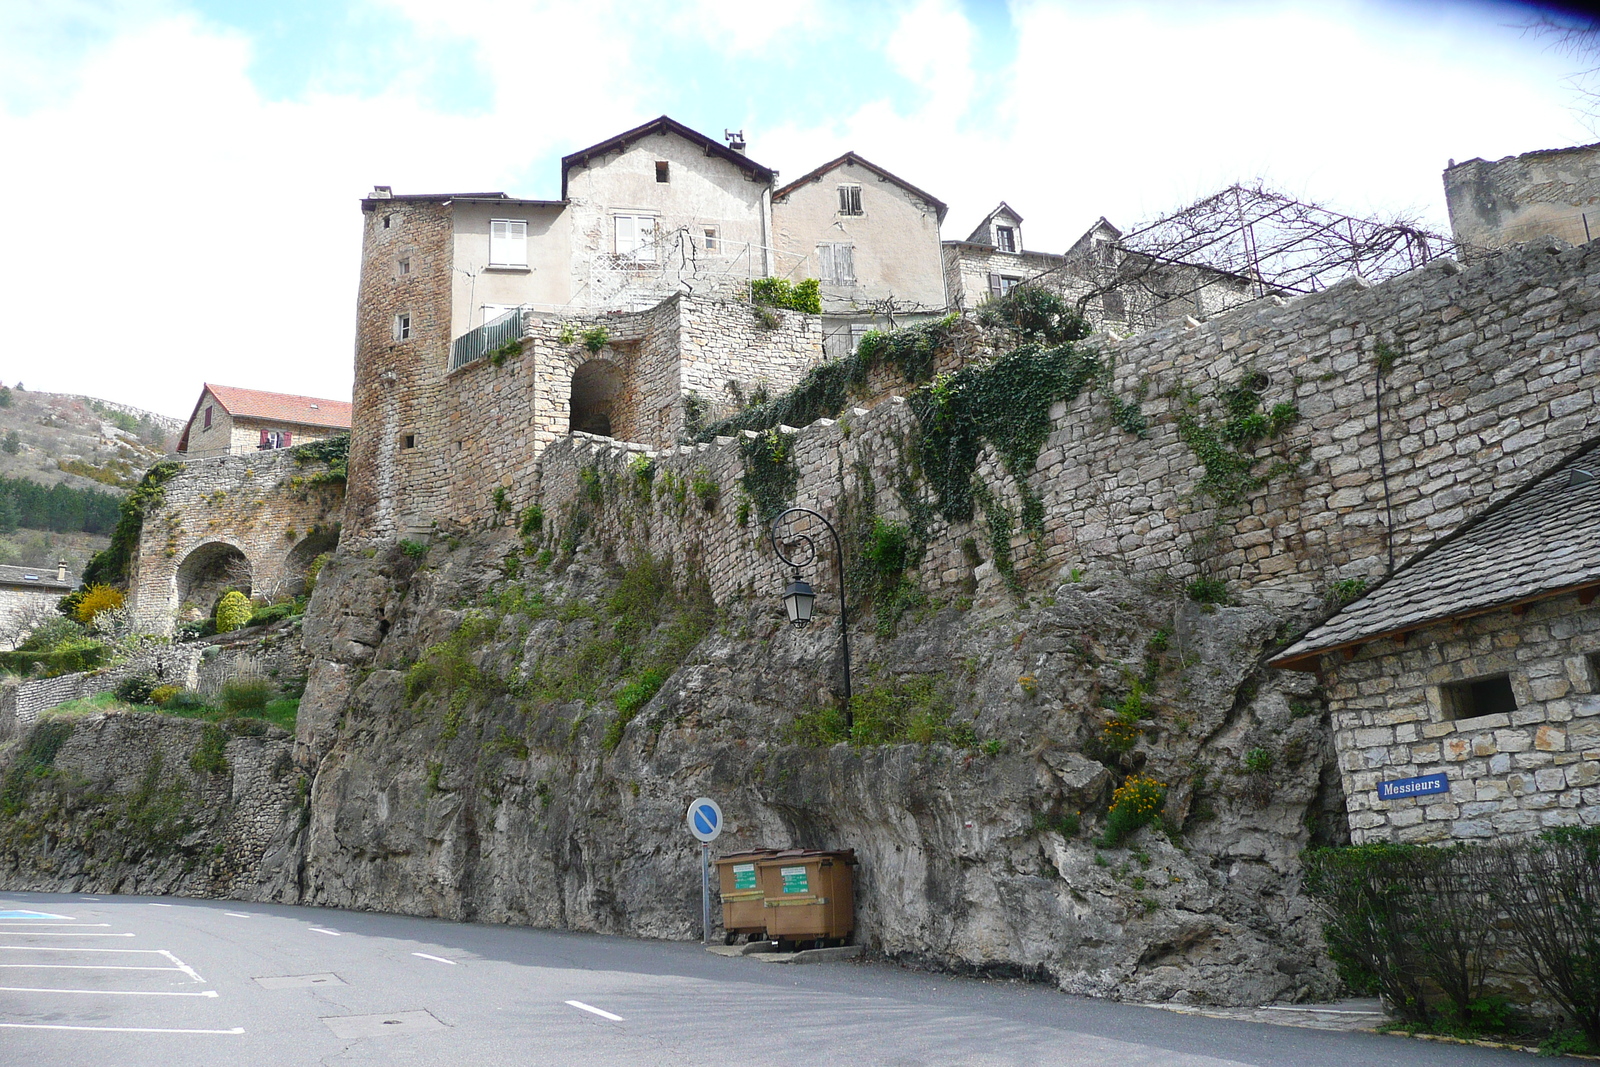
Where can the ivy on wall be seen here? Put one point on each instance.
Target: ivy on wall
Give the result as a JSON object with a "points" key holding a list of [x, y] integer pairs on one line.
{"points": [[111, 566], [770, 473], [1225, 442]]}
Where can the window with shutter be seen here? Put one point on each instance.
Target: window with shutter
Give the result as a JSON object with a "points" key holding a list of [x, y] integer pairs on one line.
{"points": [[849, 199], [1005, 238], [208, 416], [288, 438], [836, 264], [636, 237], [994, 286], [265, 439], [508, 243]]}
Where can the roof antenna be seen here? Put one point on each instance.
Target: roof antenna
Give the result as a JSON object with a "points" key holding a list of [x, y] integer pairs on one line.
{"points": [[735, 139]]}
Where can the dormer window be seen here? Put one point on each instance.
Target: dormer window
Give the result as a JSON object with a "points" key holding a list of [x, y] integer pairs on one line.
{"points": [[850, 200], [1005, 238]]}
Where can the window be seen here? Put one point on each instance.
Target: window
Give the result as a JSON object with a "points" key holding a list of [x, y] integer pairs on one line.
{"points": [[636, 235], [858, 330], [410, 440], [494, 311], [1106, 253], [1594, 672], [713, 239], [1112, 305], [403, 265], [387, 220], [1001, 284], [402, 327], [508, 243], [836, 264], [208, 416], [1005, 238], [275, 438], [663, 170], [850, 200], [1491, 695]]}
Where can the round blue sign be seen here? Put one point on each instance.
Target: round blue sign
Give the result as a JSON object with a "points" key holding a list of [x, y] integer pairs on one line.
{"points": [[705, 819]]}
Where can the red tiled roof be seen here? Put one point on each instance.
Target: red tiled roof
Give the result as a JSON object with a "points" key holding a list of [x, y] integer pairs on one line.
{"points": [[282, 407]]}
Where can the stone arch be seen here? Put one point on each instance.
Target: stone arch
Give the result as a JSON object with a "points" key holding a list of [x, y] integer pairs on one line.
{"points": [[298, 562], [206, 573], [597, 388]]}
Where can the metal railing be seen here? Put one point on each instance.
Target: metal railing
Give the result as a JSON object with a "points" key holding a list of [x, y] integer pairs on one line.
{"points": [[477, 343]]}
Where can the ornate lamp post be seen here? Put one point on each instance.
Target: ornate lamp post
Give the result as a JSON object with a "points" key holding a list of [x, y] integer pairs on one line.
{"points": [[799, 598]]}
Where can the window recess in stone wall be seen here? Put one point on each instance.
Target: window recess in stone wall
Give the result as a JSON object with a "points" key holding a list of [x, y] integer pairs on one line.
{"points": [[1594, 672], [1489, 695], [402, 327], [663, 171], [1005, 238], [850, 200], [836, 264]]}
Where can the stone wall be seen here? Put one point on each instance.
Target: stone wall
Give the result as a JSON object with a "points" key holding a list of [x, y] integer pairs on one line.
{"points": [[252, 522], [1491, 374], [1525, 771], [1555, 192]]}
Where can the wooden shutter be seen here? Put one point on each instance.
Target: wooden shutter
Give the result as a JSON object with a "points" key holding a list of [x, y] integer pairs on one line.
{"points": [[645, 239], [208, 416], [264, 441], [625, 234], [844, 200], [844, 260], [825, 264], [287, 438], [994, 285]]}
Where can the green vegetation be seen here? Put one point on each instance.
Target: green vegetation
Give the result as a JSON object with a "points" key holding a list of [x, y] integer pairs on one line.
{"points": [[111, 566], [1036, 315], [12, 443], [414, 549], [1347, 590], [780, 293], [897, 711], [1258, 760], [1412, 921], [595, 338], [246, 696], [233, 611], [878, 570], [35, 761], [1207, 591], [1066, 824], [61, 508], [334, 451], [1137, 802], [209, 756], [531, 521], [54, 648], [1225, 445], [770, 474], [115, 472]]}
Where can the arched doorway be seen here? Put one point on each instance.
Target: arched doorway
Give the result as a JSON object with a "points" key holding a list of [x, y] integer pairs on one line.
{"points": [[298, 563], [596, 388], [205, 574]]}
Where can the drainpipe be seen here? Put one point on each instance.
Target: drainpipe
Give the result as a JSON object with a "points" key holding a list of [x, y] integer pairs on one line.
{"points": [[766, 231]]}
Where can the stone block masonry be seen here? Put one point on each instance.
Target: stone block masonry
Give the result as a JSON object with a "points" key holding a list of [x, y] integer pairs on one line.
{"points": [[252, 522], [1476, 379]]}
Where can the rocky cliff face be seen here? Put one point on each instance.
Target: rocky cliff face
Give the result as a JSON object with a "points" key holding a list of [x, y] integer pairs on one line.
{"points": [[471, 761]]}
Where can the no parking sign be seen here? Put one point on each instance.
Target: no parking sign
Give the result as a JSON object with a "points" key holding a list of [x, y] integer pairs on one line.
{"points": [[705, 823]]}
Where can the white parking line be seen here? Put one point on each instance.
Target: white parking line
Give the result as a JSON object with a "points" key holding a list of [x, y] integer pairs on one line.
{"points": [[437, 959], [46, 948], [580, 1005], [330, 933], [108, 992], [236, 915], [19, 933], [184, 967], [116, 1029], [161, 905], [78, 925], [82, 967]]}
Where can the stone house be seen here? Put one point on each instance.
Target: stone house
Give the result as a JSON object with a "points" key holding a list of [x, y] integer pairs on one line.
{"points": [[992, 260], [870, 237], [1465, 688], [27, 593], [228, 421], [1553, 192]]}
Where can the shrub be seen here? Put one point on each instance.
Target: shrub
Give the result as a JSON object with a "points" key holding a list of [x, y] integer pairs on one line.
{"points": [[314, 570], [1136, 803], [193, 631], [95, 599], [1258, 760], [209, 756], [136, 689], [185, 700], [1036, 314], [595, 338], [1208, 591], [531, 520], [161, 695], [273, 613], [632, 697], [245, 695], [1550, 890], [233, 611], [414, 549], [781, 293]]}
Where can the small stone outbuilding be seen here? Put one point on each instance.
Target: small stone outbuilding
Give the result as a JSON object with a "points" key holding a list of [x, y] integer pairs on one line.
{"points": [[1465, 688]]}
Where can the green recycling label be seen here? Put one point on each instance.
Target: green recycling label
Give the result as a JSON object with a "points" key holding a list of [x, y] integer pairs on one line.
{"points": [[794, 879], [744, 876]]}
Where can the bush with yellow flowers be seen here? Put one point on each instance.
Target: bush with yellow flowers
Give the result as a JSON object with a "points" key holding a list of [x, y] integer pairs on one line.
{"points": [[1137, 802], [94, 600]]}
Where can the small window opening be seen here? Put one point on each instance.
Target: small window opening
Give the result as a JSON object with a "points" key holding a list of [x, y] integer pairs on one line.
{"points": [[404, 265], [402, 327], [1594, 672], [411, 440], [1112, 304], [663, 170], [713, 241], [1005, 238], [387, 220], [1480, 696], [208, 416], [850, 200]]}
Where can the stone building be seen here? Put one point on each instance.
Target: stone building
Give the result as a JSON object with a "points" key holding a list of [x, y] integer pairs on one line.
{"points": [[252, 522], [27, 594], [1554, 192], [870, 237], [1465, 688], [228, 420], [992, 260]]}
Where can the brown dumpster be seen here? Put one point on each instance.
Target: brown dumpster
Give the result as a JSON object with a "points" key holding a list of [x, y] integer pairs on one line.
{"points": [[809, 895], [742, 912]]}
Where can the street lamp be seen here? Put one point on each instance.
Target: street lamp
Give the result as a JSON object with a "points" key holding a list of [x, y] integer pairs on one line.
{"points": [[799, 598]]}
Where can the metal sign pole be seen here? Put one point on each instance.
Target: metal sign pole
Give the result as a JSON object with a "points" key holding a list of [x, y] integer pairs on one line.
{"points": [[705, 892]]}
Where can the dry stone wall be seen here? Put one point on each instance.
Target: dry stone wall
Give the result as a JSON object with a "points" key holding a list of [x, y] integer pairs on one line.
{"points": [[267, 508], [1488, 375]]}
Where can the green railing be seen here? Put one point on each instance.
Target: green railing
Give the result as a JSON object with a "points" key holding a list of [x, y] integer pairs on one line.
{"points": [[475, 344]]}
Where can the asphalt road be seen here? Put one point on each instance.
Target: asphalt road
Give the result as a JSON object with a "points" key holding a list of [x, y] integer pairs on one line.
{"points": [[166, 982]]}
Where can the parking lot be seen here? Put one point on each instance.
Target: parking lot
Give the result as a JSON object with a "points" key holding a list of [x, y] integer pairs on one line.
{"points": [[161, 982]]}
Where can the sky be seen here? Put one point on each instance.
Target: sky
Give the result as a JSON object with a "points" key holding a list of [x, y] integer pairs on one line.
{"points": [[219, 149]]}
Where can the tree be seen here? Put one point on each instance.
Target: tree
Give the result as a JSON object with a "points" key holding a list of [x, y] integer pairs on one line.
{"points": [[12, 444], [5, 396], [1578, 38]]}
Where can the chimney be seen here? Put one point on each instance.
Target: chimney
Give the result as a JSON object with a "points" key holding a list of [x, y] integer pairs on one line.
{"points": [[735, 139], [61, 570], [381, 192]]}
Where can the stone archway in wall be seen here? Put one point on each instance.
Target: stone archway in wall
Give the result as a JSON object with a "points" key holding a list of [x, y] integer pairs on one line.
{"points": [[598, 399], [205, 574], [297, 564]]}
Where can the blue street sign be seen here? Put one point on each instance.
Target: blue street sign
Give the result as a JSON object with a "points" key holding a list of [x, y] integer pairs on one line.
{"points": [[1401, 788], [705, 819]]}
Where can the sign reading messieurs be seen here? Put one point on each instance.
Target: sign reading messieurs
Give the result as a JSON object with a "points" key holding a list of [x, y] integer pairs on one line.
{"points": [[1401, 788]]}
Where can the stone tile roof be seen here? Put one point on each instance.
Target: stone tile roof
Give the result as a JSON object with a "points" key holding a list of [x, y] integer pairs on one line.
{"points": [[282, 407], [1541, 541], [36, 578]]}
